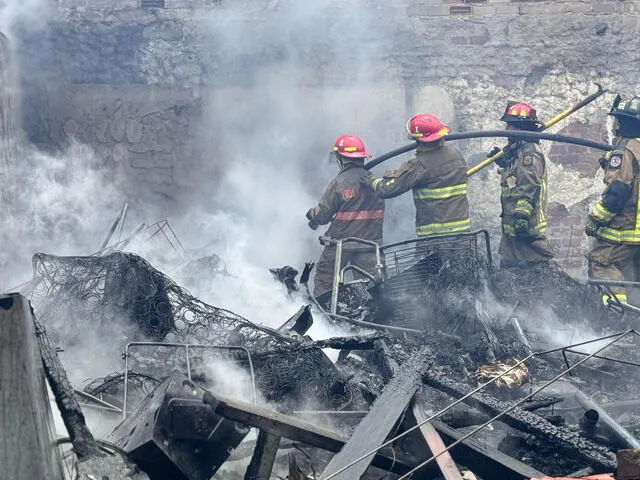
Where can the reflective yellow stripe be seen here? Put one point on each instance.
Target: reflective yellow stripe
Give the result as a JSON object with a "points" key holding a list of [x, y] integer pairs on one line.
{"points": [[602, 214], [524, 206], [623, 236], [375, 183], [443, 192], [442, 228], [541, 227], [606, 299]]}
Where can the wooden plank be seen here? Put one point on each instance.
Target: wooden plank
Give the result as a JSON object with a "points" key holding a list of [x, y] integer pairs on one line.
{"points": [[375, 427], [26, 440], [485, 461], [436, 445], [263, 457], [294, 429]]}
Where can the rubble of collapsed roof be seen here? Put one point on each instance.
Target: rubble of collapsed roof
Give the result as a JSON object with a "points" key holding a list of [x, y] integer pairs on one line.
{"points": [[448, 372]]}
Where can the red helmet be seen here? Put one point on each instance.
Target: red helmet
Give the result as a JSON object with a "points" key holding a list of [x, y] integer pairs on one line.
{"points": [[426, 128], [519, 112], [350, 146]]}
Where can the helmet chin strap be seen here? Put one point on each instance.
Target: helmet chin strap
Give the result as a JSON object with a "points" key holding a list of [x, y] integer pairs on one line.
{"points": [[339, 161]]}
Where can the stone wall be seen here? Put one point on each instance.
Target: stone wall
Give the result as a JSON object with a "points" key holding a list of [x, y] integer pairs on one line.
{"points": [[138, 83]]}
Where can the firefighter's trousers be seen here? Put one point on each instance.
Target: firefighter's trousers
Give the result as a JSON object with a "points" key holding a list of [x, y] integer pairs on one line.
{"points": [[323, 280], [521, 251], [608, 260]]}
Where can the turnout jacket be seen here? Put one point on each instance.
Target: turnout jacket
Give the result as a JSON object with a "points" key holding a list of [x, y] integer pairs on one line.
{"points": [[618, 209], [353, 209], [523, 181], [438, 178]]}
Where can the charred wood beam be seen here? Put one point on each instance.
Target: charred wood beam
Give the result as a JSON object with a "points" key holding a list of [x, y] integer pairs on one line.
{"points": [[459, 417], [26, 449], [361, 342], [565, 440], [294, 429], [84, 445], [384, 414], [263, 457]]}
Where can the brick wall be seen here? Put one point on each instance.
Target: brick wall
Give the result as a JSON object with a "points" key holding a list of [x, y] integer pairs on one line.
{"points": [[479, 53]]}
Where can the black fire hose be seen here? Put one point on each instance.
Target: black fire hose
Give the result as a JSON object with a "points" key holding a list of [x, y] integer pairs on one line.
{"points": [[494, 133]]}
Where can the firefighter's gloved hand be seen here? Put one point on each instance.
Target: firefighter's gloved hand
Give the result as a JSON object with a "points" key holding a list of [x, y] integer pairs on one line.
{"points": [[313, 225], [494, 151], [591, 228], [521, 226]]}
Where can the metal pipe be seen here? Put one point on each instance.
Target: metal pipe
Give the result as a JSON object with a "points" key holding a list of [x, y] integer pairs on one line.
{"points": [[97, 400], [589, 422], [613, 283], [362, 323], [616, 430], [494, 133], [337, 274]]}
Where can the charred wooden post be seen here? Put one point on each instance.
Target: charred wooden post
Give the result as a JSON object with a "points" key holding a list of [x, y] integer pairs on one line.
{"points": [[263, 457], [92, 463], [84, 444], [374, 428], [26, 449]]}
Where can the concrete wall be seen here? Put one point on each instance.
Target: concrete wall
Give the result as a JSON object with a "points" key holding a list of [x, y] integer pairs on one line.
{"points": [[138, 84]]}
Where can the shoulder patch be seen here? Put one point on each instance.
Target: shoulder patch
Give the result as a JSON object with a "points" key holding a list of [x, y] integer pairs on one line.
{"points": [[348, 193], [615, 161]]}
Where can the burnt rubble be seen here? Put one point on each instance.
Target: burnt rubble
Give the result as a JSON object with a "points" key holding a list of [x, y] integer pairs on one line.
{"points": [[438, 323]]}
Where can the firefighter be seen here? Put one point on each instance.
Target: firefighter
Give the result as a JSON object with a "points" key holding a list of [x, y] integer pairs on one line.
{"points": [[614, 222], [523, 178], [353, 210], [438, 177]]}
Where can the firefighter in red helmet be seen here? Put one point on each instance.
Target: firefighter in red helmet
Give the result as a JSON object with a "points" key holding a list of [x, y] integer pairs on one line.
{"points": [[523, 178], [438, 177], [353, 209]]}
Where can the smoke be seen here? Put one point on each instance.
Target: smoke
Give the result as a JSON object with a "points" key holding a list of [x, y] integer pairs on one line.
{"points": [[60, 204]]}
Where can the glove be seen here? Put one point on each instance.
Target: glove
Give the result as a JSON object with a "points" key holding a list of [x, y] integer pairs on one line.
{"points": [[494, 151], [313, 225], [592, 227], [521, 226]]}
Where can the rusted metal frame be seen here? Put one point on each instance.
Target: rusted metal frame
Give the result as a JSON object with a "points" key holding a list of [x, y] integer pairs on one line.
{"points": [[338, 271], [186, 347]]}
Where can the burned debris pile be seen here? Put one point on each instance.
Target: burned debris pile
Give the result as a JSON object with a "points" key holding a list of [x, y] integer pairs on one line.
{"points": [[453, 366]]}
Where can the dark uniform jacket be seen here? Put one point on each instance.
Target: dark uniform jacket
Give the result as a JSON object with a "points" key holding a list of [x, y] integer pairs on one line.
{"points": [[618, 209], [353, 209], [524, 188], [438, 178]]}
